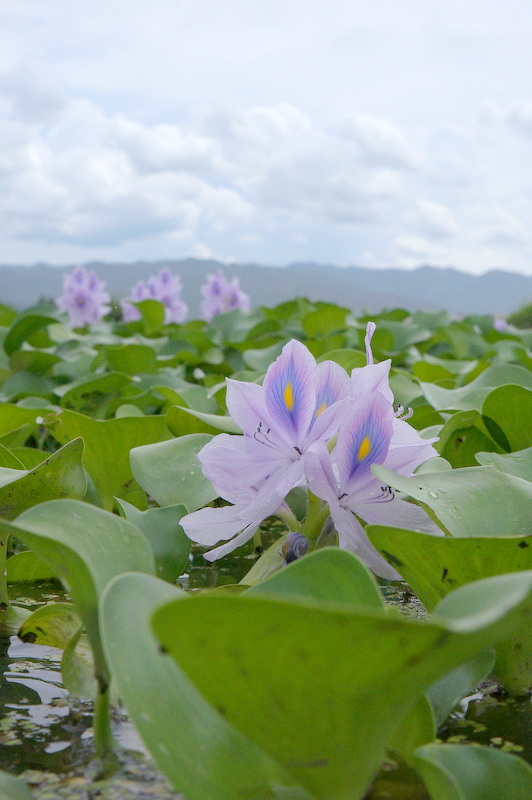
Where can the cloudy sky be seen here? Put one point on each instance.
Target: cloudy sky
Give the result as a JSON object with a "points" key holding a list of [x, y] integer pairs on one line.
{"points": [[397, 132]]}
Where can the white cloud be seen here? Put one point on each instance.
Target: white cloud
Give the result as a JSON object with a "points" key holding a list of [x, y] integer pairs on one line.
{"points": [[343, 132]]}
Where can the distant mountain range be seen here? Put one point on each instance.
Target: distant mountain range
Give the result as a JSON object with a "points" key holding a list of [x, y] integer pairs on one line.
{"points": [[357, 288]]}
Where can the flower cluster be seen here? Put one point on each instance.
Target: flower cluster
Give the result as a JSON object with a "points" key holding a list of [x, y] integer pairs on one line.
{"points": [[311, 425], [84, 298], [221, 295], [164, 287]]}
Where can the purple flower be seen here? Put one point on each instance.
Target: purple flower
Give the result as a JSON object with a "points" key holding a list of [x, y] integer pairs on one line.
{"points": [[164, 287], [311, 425], [84, 298], [500, 324], [298, 406], [221, 295], [371, 433]]}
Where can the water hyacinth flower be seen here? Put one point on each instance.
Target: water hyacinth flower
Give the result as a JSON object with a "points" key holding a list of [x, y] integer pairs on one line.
{"points": [[221, 295], [164, 287], [312, 425], [298, 405], [84, 298]]}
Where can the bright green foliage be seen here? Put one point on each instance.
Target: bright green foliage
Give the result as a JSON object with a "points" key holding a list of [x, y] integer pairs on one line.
{"points": [[471, 501], [455, 772], [107, 446], [185, 724], [171, 473], [139, 400], [271, 666]]}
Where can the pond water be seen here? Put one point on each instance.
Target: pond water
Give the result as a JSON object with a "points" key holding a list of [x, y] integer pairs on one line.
{"points": [[46, 736]]}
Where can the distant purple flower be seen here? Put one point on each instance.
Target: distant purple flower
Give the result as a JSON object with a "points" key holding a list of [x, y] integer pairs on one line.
{"points": [[500, 325], [298, 405], [164, 287], [84, 298], [221, 295]]}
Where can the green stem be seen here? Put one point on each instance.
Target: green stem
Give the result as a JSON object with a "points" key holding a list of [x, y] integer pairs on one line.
{"points": [[317, 514], [4, 597], [104, 742], [289, 518]]}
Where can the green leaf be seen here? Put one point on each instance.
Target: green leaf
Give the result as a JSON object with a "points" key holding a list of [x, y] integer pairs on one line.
{"points": [[433, 566], [171, 473], [27, 567], [513, 662], [518, 463], [12, 788], [462, 436], [272, 667], [9, 459], [473, 501], [23, 327], [60, 475], [472, 772], [447, 692], [92, 395], [131, 359], [54, 625], [86, 547], [213, 422], [510, 408], [324, 321], [107, 446], [168, 540], [324, 576], [347, 358], [170, 713], [416, 728], [471, 396]]}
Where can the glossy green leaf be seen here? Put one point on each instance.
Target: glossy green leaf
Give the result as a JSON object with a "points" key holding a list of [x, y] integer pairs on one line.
{"points": [[86, 547], [9, 459], [92, 395], [518, 463], [168, 540], [107, 446], [27, 567], [213, 422], [273, 669], [324, 576], [171, 473], [170, 713], [472, 395], [472, 772], [473, 501], [510, 408], [513, 660], [462, 436], [433, 566], [60, 475]]}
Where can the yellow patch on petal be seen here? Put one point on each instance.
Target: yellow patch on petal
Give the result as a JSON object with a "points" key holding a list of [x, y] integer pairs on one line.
{"points": [[321, 409], [364, 448], [288, 396]]}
